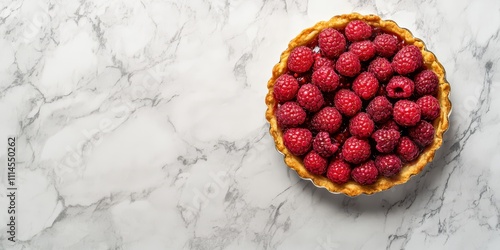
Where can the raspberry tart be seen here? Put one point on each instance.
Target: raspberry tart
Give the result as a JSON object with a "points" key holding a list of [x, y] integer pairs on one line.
{"points": [[357, 104]]}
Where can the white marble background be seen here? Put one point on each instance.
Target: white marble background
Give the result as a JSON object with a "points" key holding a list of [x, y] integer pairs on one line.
{"points": [[140, 125]]}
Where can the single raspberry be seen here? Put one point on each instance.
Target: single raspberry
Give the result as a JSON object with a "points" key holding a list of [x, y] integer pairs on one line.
{"points": [[347, 102], [426, 83], [323, 145], [422, 134], [290, 114], [331, 42], [358, 30], [328, 119], [348, 64], [310, 97], [406, 113], [388, 165], [386, 140], [391, 124], [300, 59], [381, 68], [365, 174], [380, 109], [285, 88], [400, 87], [297, 140], [365, 85], [314, 163], [325, 78], [323, 61], [356, 150], [365, 50], [339, 171], [407, 60], [386, 45], [361, 125], [407, 150], [429, 106]]}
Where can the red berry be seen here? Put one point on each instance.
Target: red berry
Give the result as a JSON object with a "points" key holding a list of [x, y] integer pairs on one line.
{"points": [[391, 124], [323, 145], [361, 125], [429, 106], [407, 150], [400, 87], [365, 85], [323, 61], [297, 140], [365, 174], [325, 78], [422, 134], [300, 59], [331, 42], [328, 119], [386, 45], [358, 30], [356, 150], [388, 165], [365, 50], [380, 109], [285, 88], [314, 163], [310, 97], [347, 102], [339, 171], [407, 60], [381, 68], [290, 114], [406, 113], [348, 64], [386, 140], [426, 83]]}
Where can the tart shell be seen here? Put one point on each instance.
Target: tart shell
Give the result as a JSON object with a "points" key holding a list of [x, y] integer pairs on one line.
{"points": [[352, 188]]}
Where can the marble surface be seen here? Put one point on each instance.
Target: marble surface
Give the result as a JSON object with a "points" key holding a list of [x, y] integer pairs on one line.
{"points": [[140, 125]]}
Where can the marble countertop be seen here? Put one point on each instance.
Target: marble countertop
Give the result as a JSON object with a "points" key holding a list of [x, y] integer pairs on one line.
{"points": [[140, 125]]}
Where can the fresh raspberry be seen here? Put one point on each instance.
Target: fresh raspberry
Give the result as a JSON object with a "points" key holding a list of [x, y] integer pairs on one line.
{"points": [[342, 135], [310, 97], [361, 125], [406, 113], [365, 50], [365, 174], [407, 60], [300, 59], [422, 134], [388, 165], [391, 124], [381, 68], [429, 106], [323, 61], [365, 85], [285, 88], [348, 64], [323, 145], [380, 109], [386, 140], [290, 114], [386, 45], [314, 163], [331, 42], [356, 150], [339, 171], [400, 87], [326, 79], [297, 140], [328, 119], [426, 83], [358, 30], [347, 102], [407, 150]]}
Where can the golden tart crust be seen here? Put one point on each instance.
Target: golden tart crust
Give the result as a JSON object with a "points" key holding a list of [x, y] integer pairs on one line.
{"points": [[352, 188]]}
